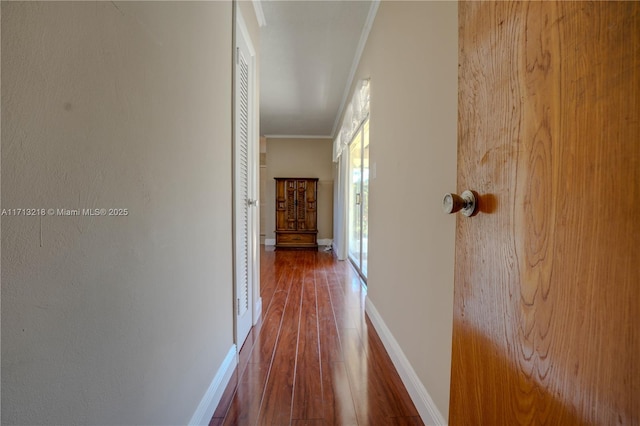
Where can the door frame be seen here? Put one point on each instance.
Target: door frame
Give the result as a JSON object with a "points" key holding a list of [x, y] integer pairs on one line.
{"points": [[253, 261], [347, 204]]}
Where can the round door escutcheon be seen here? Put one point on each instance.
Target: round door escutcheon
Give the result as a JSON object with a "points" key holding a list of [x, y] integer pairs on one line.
{"points": [[466, 203]]}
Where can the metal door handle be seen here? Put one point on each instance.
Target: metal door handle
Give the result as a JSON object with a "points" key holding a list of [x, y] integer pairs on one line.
{"points": [[465, 203]]}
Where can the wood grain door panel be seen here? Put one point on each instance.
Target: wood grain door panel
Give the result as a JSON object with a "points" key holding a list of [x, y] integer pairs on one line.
{"points": [[547, 294], [311, 210], [296, 237]]}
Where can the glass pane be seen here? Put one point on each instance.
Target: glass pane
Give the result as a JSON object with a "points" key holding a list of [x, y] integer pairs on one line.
{"points": [[355, 198], [365, 198]]}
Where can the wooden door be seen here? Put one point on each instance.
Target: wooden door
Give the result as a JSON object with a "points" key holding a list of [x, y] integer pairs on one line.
{"points": [[547, 285]]}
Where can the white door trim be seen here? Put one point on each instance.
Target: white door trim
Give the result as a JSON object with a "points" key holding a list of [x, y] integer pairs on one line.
{"points": [[243, 325]]}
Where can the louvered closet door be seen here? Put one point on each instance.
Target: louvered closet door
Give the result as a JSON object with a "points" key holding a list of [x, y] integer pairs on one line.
{"points": [[242, 161]]}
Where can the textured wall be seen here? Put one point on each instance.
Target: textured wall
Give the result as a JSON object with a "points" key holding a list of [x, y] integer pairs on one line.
{"points": [[115, 320]]}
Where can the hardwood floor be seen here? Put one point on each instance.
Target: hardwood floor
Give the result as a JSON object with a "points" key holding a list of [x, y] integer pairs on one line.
{"points": [[314, 358]]}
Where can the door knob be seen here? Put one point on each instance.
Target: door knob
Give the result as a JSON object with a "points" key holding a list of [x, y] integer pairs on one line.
{"points": [[454, 202]]}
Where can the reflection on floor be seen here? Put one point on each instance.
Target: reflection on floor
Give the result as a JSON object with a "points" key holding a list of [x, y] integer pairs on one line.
{"points": [[314, 358]]}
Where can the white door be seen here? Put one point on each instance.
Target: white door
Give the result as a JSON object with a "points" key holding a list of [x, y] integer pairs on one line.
{"points": [[245, 171]]}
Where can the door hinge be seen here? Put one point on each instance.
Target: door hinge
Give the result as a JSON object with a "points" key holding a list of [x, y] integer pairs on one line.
{"points": [[238, 306], [237, 55]]}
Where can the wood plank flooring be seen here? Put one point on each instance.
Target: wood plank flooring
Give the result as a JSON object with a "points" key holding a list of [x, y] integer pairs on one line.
{"points": [[314, 358]]}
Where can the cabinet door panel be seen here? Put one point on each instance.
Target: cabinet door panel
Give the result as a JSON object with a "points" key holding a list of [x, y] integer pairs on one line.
{"points": [[291, 197], [310, 220], [301, 205], [281, 205]]}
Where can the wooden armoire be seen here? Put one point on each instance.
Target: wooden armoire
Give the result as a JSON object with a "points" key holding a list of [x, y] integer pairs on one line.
{"points": [[296, 213]]}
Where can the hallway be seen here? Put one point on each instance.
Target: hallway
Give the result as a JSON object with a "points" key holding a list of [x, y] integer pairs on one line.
{"points": [[314, 358]]}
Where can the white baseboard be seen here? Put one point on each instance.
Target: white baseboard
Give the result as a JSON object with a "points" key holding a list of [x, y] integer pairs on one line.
{"points": [[269, 241], [212, 397], [257, 310], [421, 399]]}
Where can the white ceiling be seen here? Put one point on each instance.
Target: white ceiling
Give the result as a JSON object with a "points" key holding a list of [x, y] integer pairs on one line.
{"points": [[308, 54]]}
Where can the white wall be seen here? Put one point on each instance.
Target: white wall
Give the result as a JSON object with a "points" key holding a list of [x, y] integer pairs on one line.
{"points": [[301, 158], [115, 320], [411, 57]]}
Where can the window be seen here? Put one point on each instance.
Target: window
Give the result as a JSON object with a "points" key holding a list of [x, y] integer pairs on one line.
{"points": [[351, 197], [358, 204]]}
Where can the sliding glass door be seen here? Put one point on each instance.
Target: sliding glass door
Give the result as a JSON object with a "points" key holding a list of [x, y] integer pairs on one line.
{"points": [[359, 198]]}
